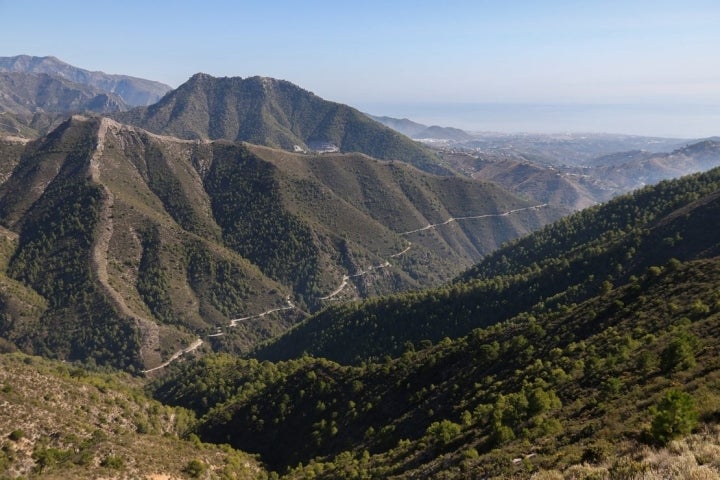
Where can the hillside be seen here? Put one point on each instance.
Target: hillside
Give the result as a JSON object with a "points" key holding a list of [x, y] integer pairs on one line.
{"points": [[25, 93], [62, 422], [125, 247], [568, 187], [591, 369], [424, 132], [275, 113], [575, 389], [133, 91], [563, 263], [588, 183], [640, 170]]}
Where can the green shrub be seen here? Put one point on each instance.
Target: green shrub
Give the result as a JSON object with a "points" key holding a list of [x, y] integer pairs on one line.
{"points": [[674, 416], [195, 468], [113, 461], [679, 355]]}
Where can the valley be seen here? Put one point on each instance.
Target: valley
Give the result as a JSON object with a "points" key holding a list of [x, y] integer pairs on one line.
{"points": [[238, 279]]}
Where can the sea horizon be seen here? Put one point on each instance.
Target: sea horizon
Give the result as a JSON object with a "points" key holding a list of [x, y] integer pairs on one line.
{"points": [[672, 120]]}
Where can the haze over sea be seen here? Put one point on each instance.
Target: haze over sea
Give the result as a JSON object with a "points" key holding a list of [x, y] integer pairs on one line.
{"points": [[666, 120]]}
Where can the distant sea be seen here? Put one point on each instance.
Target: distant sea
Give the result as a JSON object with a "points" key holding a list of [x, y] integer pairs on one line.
{"points": [[671, 120]]}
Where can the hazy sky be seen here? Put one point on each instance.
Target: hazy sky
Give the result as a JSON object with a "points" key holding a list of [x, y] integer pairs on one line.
{"points": [[373, 53]]}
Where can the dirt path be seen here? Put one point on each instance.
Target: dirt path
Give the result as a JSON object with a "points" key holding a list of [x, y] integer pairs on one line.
{"points": [[403, 252], [473, 217], [191, 348], [338, 289], [235, 321], [345, 278]]}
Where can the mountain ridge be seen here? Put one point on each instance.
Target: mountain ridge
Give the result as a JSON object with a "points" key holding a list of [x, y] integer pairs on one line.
{"points": [[133, 90], [29, 93], [562, 262], [159, 237], [276, 113], [606, 347]]}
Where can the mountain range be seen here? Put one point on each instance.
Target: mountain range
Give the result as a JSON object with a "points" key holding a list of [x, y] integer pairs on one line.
{"points": [[273, 113], [565, 353], [573, 171], [306, 293], [133, 91], [112, 228], [419, 131], [29, 93]]}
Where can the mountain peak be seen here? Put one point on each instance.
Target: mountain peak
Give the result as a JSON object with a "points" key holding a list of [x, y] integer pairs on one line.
{"points": [[275, 113]]}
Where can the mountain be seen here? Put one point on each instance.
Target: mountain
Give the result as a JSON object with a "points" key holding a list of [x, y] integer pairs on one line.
{"points": [[572, 171], [133, 91], [646, 169], [435, 133], [403, 125], [27, 93], [578, 187], [124, 247], [595, 389], [590, 345], [63, 421], [274, 113], [569, 187], [422, 132], [561, 264], [620, 158]]}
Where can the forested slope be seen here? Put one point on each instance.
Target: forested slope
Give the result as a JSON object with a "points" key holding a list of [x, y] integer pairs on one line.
{"points": [[579, 388], [561, 264], [139, 245]]}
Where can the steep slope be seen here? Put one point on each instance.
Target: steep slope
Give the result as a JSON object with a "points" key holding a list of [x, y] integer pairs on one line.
{"points": [[642, 170], [578, 387], [578, 384], [26, 93], [29, 125], [11, 149], [124, 281], [60, 421], [571, 188], [134, 91], [275, 113], [137, 244], [578, 187], [396, 213], [558, 265]]}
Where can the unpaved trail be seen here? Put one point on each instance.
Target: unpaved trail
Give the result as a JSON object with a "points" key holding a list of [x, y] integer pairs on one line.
{"points": [[473, 217], [402, 253], [191, 348], [345, 278], [150, 332], [235, 321], [339, 289]]}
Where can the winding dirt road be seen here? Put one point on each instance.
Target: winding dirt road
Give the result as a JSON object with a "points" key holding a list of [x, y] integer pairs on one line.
{"points": [[345, 280], [473, 217], [235, 321], [191, 348]]}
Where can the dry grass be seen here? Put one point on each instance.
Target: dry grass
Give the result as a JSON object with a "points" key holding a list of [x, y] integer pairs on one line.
{"points": [[58, 421], [696, 457]]}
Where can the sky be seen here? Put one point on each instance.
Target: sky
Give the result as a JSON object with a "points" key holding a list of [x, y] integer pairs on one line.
{"points": [[426, 58]]}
